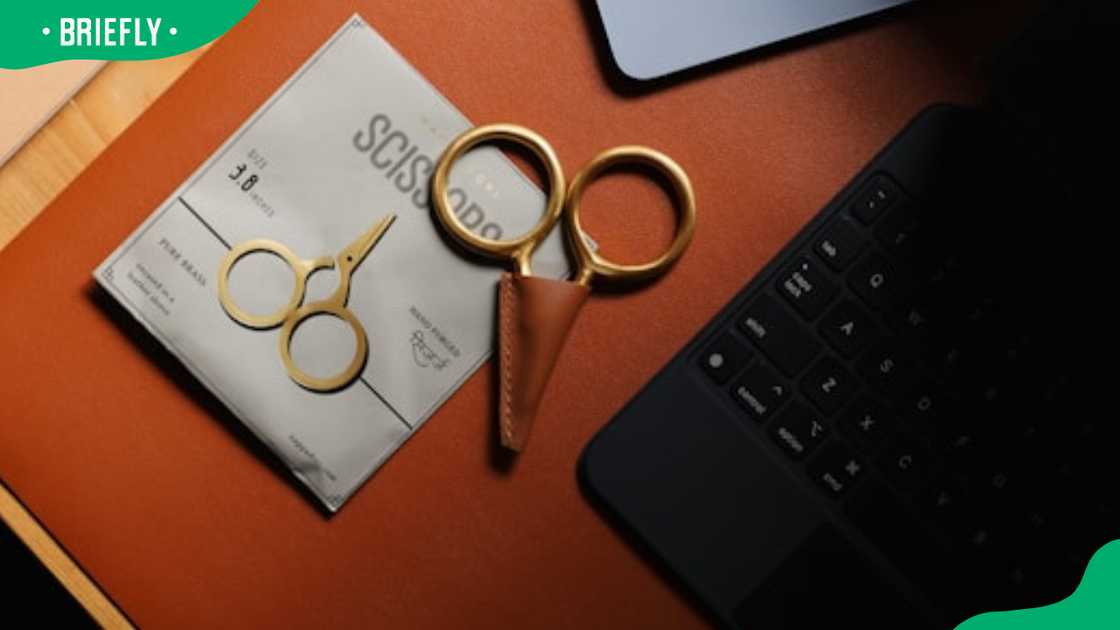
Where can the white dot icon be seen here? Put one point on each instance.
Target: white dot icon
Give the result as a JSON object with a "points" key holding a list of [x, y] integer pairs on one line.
{"points": [[715, 360], [173, 31], [46, 30]]}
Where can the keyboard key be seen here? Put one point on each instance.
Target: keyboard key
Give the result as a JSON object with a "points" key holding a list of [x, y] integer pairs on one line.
{"points": [[806, 287], [944, 502], [1036, 577], [760, 392], [868, 423], [906, 464], [881, 283], [920, 407], [874, 199], [839, 245], [898, 231], [848, 328], [888, 368], [939, 271], [724, 358], [1038, 521], [835, 469], [798, 430], [997, 486], [963, 448], [779, 334], [829, 385], [981, 535], [917, 322]]}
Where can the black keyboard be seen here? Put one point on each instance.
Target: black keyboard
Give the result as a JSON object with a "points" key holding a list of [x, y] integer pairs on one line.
{"points": [[910, 357]]}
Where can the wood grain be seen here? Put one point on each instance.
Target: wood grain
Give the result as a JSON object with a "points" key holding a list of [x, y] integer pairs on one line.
{"points": [[78, 133], [50, 160]]}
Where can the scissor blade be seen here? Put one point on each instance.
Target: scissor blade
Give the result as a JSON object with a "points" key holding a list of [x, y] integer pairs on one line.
{"points": [[355, 252]]}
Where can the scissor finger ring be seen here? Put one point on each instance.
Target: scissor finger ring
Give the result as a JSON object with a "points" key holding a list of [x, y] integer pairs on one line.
{"points": [[343, 378], [301, 269]]}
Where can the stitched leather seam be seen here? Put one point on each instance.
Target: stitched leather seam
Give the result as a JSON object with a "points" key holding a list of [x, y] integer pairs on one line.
{"points": [[509, 295]]}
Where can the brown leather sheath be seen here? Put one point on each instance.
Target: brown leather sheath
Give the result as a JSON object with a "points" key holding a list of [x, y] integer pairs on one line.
{"points": [[535, 315]]}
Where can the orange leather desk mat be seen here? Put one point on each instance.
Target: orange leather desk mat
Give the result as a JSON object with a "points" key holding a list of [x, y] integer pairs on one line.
{"points": [[183, 519]]}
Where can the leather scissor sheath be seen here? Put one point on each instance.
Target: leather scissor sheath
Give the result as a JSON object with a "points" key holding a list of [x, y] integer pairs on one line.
{"points": [[535, 315]]}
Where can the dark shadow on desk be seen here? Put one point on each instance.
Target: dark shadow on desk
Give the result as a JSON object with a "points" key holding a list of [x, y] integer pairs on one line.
{"points": [[191, 388]]}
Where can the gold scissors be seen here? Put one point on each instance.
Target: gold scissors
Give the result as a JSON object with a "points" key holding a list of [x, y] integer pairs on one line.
{"points": [[292, 315], [536, 313]]}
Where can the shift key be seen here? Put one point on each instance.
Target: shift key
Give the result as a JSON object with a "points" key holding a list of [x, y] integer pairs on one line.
{"points": [[779, 334]]}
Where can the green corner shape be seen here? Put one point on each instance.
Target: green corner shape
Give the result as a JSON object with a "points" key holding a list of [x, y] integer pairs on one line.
{"points": [[38, 32], [1093, 605]]}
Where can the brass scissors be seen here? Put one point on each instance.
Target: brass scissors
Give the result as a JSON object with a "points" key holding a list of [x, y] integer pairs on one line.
{"points": [[295, 313], [536, 313]]}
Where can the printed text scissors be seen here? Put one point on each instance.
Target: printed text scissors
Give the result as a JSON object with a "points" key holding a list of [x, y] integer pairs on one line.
{"points": [[536, 313], [293, 314]]}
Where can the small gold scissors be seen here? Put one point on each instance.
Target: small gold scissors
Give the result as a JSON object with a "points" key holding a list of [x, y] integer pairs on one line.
{"points": [[536, 313], [292, 315]]}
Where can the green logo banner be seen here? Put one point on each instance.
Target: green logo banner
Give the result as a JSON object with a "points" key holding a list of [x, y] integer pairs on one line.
{"points": [[1094, 605], [38, 32]]}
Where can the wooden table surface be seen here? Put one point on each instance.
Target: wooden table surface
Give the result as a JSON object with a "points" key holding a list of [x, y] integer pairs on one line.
{"points": [[42, 168], [78, 133]]}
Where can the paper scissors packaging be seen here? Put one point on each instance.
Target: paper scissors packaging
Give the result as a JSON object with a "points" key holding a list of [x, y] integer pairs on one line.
{"points": [[320, 162], [536, 313]]}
